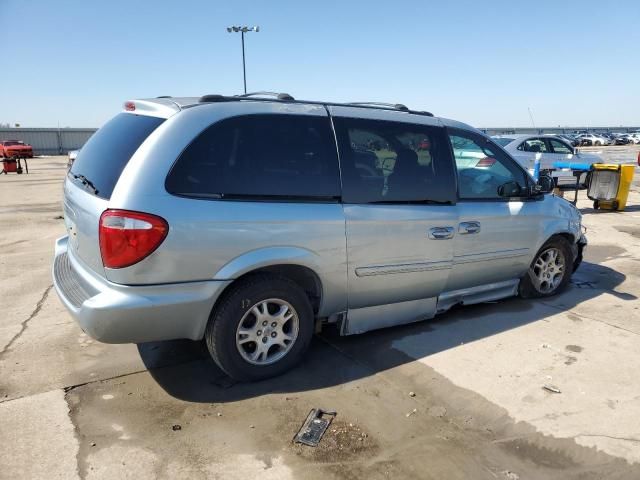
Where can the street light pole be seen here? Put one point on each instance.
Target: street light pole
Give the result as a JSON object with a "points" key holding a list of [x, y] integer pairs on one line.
{"points": [[244, 68], [243, 30]]}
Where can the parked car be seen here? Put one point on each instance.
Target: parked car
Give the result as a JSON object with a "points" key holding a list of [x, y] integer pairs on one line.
{"points": [[232, 219], [635, 137], [589, 139], [15, 149], [571, 139], [549, 150], [623, 139], [606, 140], [609, 137]]}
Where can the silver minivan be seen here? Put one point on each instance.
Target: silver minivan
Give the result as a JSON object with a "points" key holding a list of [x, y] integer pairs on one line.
{"points": [[252, 221]]}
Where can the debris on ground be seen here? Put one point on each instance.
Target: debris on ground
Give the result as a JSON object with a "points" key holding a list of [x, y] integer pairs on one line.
{"points": [[175, 428], [552, 389], [314, 427], [509, 475], [437, 411], [412, 412], [219, 414], [340, 443], [412, 394]]}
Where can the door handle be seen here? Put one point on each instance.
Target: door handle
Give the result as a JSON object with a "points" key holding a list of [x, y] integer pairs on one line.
{"points": [[441, 233], [466, 228]]}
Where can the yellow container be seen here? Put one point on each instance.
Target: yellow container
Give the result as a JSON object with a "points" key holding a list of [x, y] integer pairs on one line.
{"points": [[609, 185]]}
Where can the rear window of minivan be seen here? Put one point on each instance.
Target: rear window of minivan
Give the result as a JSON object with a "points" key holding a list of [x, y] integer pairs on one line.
{"points": [[275, 156], [103, 158]]}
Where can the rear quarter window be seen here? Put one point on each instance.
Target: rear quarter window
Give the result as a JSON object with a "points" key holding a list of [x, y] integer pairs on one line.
{"points": [[103, 158], [272, 156]]}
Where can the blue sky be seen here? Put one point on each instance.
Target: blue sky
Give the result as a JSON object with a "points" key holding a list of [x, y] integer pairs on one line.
{"points": [[482, 62]]}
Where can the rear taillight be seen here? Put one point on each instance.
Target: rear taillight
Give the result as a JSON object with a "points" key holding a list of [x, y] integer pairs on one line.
{"points": [[486, 162], [128, 237]]}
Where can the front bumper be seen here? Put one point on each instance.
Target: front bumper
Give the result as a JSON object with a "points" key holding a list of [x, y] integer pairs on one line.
{"points": [[114, 313], [578, 252]]}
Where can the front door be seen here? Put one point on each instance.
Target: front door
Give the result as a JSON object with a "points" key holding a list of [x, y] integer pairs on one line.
{"points": [[401, 219], [496, 235]]}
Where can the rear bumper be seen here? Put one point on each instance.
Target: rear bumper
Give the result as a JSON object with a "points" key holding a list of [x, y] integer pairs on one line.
{"points": [[114, 313]]}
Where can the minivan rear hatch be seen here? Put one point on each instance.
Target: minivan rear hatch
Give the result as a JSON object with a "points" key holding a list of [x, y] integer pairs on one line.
{"points": [[93, 176]]}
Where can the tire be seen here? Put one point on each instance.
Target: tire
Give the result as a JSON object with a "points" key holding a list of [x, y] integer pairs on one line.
{"points": [[597, 144], [530, 285], [244, 305], [596, 204]]}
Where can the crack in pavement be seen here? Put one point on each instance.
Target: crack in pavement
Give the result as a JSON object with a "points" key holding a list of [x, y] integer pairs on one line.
{"points": [[81, 461], [24, 323], [625, 439], [586, 317]]}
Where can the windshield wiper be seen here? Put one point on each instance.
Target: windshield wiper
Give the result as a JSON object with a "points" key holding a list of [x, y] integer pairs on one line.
{"points": [[410, 202], [86, 182]]}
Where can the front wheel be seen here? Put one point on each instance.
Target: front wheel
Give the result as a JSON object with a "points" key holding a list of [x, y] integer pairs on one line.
{"points": [[550, 271], [261, 328]]}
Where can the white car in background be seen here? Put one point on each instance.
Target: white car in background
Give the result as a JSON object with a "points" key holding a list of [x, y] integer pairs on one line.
{"points": [[590, 139], [526, 149]]}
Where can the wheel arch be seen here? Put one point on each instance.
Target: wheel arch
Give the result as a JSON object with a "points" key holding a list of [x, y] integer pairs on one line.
{"points": [[295, 263]]}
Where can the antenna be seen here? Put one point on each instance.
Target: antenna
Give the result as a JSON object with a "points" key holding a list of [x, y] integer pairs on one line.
{"points": [[531, 117]]}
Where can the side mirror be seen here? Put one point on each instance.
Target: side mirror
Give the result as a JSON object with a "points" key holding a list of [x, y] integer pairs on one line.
{"points": [[545, 184], [510, 189]]}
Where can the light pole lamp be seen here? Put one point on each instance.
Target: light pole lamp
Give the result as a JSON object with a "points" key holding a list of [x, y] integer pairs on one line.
{"points": [[243, 30]]}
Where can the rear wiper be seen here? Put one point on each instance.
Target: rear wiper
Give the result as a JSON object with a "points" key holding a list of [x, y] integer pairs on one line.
{"points": [[86, 182]]}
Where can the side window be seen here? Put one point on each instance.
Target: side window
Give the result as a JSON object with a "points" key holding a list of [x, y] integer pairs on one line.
{"points": [[386, 162], [536, 145], [482, 166], [260, 155], [560, 147]]}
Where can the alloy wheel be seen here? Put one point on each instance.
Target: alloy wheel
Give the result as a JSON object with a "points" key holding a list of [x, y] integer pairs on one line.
{"points": [[548, 270], [267, 331]]}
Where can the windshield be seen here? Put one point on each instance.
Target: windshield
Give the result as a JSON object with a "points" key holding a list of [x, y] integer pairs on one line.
{"points": [[103, 158], [8, 144], [502, 141]]}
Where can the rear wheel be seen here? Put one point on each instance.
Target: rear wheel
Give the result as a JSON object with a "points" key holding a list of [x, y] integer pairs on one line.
{"points": [[261, 328], [550, 271]]}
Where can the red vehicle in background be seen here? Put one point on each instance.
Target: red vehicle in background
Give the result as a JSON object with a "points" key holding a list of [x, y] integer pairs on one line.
{"points": [[15, 149]]}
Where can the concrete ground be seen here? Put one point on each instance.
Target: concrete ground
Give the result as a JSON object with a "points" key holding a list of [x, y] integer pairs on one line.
{"points": [[74, 408]]}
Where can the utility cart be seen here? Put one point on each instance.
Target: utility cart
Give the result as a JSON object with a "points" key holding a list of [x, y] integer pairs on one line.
{"points": [[608, 185], [14, 165]]}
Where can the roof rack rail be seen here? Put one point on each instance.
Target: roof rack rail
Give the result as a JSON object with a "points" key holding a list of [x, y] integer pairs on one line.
{"points": [[165, 96], [395, 106], [279, 96], [213, 98], [285, 97]]}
